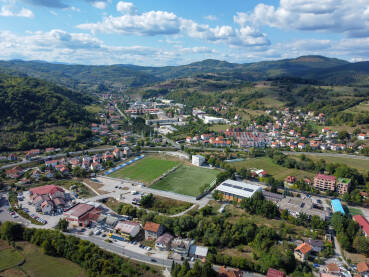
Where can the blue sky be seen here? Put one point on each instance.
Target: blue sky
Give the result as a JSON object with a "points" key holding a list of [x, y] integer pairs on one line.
{"points": [[170, 32]]}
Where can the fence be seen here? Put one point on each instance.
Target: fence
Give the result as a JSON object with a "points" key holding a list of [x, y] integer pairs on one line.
{"points": [[124, 165]]}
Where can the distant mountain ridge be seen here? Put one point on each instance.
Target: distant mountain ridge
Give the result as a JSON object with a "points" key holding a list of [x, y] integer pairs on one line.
{"points": [[93, 78]]}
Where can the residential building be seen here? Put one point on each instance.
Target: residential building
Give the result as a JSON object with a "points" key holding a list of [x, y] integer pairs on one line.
{"points": [[181, 246], [302, 251], [316, 244], [324, 182], [198, 252], [296, 206], [343, 185], [153, 230], [14, 172], [164, 242], [128, 229], [363, 269], [274, 273], [236, 191], [32, 153], [12, 157], [198, 160], [332, 269], [82, 214], [224, 272], [364, 225], [47, 207]]}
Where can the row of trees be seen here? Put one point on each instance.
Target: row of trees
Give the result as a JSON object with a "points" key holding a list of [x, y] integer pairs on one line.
{"points": [[198, 270], [349, 234]]}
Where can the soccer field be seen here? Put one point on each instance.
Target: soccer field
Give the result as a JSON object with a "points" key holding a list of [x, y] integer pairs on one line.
{"points": [[145, 170], [186, 180]]}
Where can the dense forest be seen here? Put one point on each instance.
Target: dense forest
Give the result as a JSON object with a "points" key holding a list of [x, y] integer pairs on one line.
{"points": [[119, 77], [35, 113]]}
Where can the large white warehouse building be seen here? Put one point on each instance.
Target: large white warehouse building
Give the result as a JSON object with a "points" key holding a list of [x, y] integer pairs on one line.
{"points": [[236, 191]]}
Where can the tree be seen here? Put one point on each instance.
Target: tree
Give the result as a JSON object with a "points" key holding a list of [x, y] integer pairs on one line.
{"points": [[361, 245], [62, 225], [147, 201]]}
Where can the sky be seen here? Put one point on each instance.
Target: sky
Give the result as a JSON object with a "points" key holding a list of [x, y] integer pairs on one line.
{"points": [[175, 32]]}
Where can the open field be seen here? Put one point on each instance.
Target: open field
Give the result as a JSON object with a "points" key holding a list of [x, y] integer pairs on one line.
{"points": [[277, 171], [362, 166], [355, 211], [9, 257], [36, 263], [275, 224], [186, 180], [168, 206], [94, 108], [145, 170], [219, 127]]}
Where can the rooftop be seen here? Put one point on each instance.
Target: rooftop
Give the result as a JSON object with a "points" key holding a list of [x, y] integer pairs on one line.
{"points": [[238, 188], [274, 273], [304, 248], [48, 189], [151, 226], [364, 224], [79, 210]]}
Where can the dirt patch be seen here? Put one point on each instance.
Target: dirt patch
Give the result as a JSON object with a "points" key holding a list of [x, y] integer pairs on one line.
{"points": [[13, 272], [96, 186], [355, 258], [4, 245]]}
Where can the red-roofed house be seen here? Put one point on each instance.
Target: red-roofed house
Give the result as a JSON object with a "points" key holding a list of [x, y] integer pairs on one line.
{"points": [[302, 251], [32, 153], [274, 273], [363, 269], [153, 230], [223, 272], [325, 182], [51, 190], [364, 224], [14, 172]]}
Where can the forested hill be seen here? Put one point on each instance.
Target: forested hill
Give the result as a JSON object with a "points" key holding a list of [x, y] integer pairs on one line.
{"points": [[31, 103], [92, 78]]}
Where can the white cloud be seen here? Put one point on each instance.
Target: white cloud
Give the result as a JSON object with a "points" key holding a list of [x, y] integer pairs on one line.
{"points": [[99, 5], [11, 11], [153, 23], [350, 17], [126, 7], [211, 17], [61, 46]]}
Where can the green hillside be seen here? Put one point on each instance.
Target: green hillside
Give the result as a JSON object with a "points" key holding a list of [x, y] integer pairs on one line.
{"points": [[37, 113], [90, 78]]}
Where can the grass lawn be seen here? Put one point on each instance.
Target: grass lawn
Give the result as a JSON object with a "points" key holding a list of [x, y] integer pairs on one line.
{"points": [[219, 127], [39, 265], [186, 180], [145, 170], [168, 206], [361, 165], [277, 171], [9, 257], [355, 211], [94, 108]]}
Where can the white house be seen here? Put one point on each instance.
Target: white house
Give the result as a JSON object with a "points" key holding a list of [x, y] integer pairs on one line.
{"points": [[198, 160]]}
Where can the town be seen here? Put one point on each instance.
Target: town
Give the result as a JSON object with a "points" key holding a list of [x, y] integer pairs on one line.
{"points": [[144, 185]]}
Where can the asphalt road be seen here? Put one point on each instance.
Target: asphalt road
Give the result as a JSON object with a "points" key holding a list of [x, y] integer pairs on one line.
{"points": [[125, 252]]}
